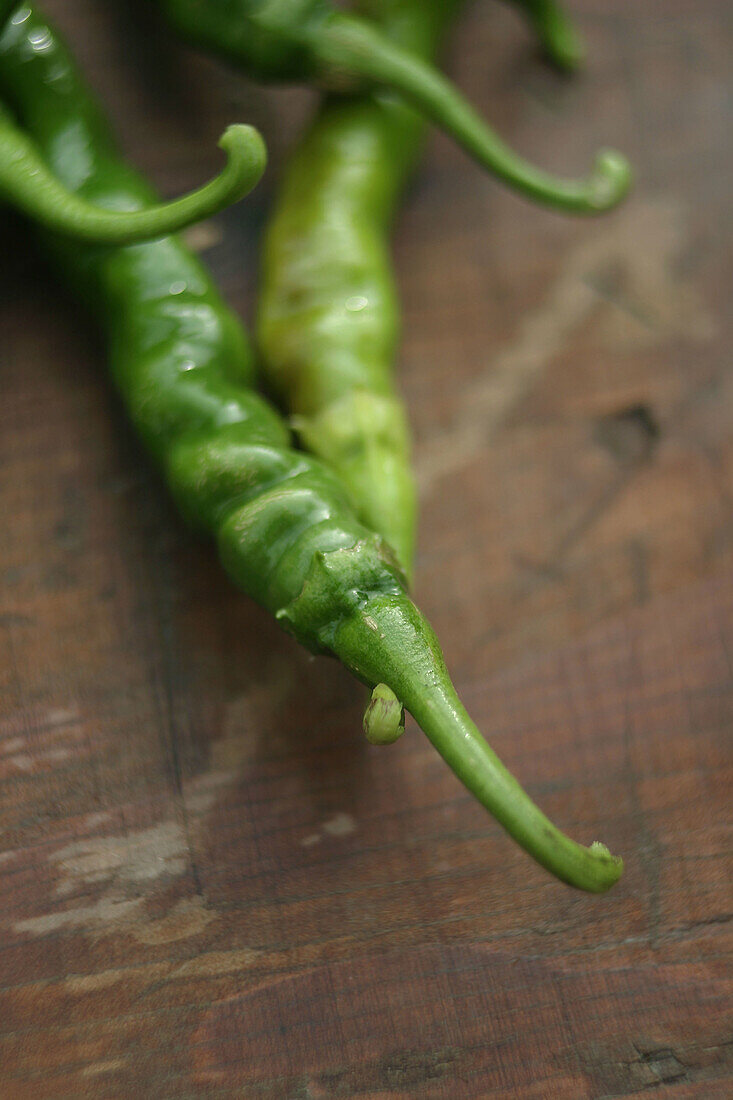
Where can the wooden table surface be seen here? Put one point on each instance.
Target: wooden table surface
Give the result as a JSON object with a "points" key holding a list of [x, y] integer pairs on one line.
{"points": [[210, 886]]}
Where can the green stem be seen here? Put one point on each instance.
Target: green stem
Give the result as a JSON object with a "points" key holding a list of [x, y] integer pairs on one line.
{"points": [[26, 182], [388, 641], [558, 37], [352, 45]]}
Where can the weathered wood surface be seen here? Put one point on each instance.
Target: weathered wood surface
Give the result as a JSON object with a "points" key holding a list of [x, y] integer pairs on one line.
{"points": [[210, 886]]}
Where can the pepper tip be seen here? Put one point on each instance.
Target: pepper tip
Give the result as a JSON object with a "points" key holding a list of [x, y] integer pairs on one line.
{"points": [[612, 867]]}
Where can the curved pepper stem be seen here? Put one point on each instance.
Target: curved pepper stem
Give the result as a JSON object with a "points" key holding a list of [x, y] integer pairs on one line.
{"points": [[388, 641], [26, 182], [558, 37], [350, 44]]}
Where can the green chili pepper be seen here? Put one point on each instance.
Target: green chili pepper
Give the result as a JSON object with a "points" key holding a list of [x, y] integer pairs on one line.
{"points": [[328, 311], [284, 529], [312, 40], [26, 182]]}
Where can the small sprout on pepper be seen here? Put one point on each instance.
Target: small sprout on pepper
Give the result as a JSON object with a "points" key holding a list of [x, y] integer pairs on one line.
{"points": [[384, 718]]}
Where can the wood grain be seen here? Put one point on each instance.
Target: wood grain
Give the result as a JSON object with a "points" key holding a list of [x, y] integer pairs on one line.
{"points": [[211, 887]]}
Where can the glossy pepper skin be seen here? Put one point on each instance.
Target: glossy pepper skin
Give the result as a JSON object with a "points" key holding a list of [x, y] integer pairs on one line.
{"points": [[27, 182], [284, 530], [314, 41], [328, 314]]}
